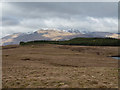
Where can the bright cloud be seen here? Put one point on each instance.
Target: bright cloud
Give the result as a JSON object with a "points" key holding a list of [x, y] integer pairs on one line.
{"points": [[28, 17]]}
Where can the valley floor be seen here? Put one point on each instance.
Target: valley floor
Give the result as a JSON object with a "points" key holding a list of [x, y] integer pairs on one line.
{"points": [[59, 66]]}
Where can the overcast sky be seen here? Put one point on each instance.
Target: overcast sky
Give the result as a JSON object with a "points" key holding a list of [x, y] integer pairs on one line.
{"points": [[31, 16]]}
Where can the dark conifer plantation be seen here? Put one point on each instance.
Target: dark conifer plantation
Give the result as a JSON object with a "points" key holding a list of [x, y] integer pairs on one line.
{"points": [[79, 41]]}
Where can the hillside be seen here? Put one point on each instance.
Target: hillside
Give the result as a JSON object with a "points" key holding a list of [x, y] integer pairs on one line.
{"points": [[52, 34]]}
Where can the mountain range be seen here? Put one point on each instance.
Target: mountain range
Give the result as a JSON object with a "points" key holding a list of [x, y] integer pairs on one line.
{"points": [[53, 34]]}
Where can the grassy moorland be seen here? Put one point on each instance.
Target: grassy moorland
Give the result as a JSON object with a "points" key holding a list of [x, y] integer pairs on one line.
{"points": [[59, 66]]}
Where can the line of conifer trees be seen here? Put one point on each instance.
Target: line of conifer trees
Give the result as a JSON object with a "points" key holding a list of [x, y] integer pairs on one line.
{"points": [[79, 41]]}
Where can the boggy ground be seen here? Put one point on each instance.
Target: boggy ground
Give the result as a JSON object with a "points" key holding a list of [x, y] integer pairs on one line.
{"points": [[59, 66]]}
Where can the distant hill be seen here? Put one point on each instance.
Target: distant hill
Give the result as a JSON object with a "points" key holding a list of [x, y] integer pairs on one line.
{"points": [[52, 34]]}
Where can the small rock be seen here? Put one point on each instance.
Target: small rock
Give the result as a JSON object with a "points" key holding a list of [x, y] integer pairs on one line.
{"points": [[64, 86], [61, 83]]}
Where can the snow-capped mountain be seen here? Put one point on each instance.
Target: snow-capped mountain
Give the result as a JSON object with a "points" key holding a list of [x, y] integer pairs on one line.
{"points": [[77, 31], [37, 35], [52, 34]]}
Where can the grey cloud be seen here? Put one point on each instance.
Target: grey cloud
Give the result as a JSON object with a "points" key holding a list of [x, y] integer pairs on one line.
{"points": [[40, 9], [8, 21], [30, 16]]}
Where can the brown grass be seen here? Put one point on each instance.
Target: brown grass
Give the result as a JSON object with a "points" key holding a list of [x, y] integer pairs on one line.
{"points": [[55, 66]]}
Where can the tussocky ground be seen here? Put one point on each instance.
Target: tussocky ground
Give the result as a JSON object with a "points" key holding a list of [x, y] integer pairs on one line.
{"points": [[59, 66]]}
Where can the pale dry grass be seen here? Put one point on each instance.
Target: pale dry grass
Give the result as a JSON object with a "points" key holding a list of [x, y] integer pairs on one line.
{"points": [[55, 66]]}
